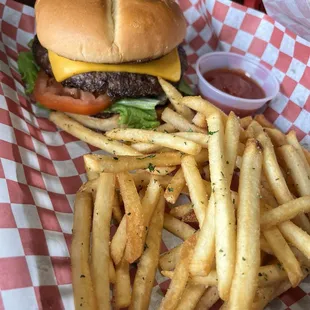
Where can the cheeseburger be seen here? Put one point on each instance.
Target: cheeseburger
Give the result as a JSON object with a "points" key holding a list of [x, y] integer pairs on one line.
{"points": [[103, 57]]}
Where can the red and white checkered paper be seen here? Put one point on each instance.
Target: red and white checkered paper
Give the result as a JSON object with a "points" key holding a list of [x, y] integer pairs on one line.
{"points": [[295, 15], [41, 168]]}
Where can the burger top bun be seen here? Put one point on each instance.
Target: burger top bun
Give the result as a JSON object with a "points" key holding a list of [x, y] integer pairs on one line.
{"points": [[109, 31]]}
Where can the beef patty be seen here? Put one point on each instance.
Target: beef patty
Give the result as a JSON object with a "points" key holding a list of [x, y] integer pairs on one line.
{"points": [[115, 84]]}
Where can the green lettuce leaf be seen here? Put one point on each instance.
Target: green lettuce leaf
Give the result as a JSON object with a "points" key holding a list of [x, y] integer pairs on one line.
{"points": [[28, 70], [185, 89], [136, 113]]}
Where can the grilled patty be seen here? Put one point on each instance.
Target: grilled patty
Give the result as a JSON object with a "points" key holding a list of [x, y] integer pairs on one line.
{"points": [[115, 84]]}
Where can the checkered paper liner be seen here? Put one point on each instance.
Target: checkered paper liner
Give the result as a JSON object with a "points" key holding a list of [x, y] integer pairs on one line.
{"points": [[41, 168], [295, 15]]}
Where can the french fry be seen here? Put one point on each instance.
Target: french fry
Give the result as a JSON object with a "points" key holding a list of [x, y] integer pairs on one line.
{"points": [[112, 275], [285, 212], [122, 287], [208, 299], [150, 200], [271, 274], [116, 209], [245, 121], [100, 255], [283, 253], [175, 99], [96, 139], [199, 138], [263, 121], [95, 122], [181, 210], [197, 190], [276, 179], [179, 122], [161, 170], [175, 187], [240, 149], [169, 259], [307, 155], [264, 245], [248, 229], [102, 163], [118, 242], [203, 106], [268, 198], [180, 277], [292, 140], [232, 134], [298, 169], [200, 120], [153, 137], [147, 148], [84, 294], [177, 227], [263, 296], [204, 252], [296, 236], [256, 128], [144, 279], [191, 296], [135, 227], [224, 214], [277, 137], [190, 217]]}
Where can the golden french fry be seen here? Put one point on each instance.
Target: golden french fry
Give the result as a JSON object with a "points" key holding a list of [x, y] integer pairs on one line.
{"points": [[203, 106], [285, 212], [150, 200], [94, 138], [169, 259], [296, 236], [180, 277], [307, 155], [179, 122], [175, 187], [161, 170], [268, 198], [135, 227], [116, 209], [255, 128], [95, 122], [264, 245], [263, 121], [122, 287], [292, 140], [231, 144], [197, 190], [144, 279], [277, 137], [112, 275], [276, 179], [208, 299], [298, 169], [154, 137], [209, 280], [200, 120], [118, 242], [224, 214], [271, 274], [204, 252], [199, 138], [245, 121], [84, 294], [102, 163], [100, 254], [177, 227], [175, 98], [181, 210], [191, 296], [263, 296], [248, 229], [283, 253], [240, 149]]}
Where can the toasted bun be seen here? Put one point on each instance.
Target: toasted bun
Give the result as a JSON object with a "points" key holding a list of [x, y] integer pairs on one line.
{"points": [[109, 31]]}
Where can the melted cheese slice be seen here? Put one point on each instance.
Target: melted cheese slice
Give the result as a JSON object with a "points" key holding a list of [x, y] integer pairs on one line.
{"points": [[167, 67]]}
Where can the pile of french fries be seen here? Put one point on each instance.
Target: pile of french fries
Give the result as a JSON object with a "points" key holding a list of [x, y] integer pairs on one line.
{"points": [[245, 227]]}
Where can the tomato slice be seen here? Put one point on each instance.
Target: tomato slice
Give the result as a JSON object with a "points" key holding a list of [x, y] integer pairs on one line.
{"points": [[54, 96]]}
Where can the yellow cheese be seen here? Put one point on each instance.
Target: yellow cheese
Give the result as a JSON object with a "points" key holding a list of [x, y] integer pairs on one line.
{"points": [[167, 67]]}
